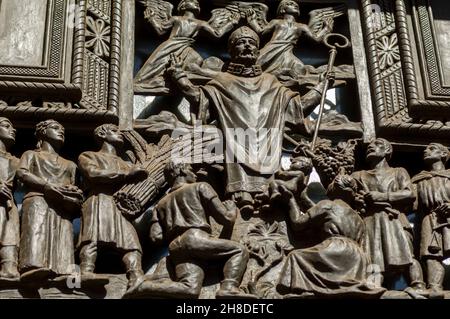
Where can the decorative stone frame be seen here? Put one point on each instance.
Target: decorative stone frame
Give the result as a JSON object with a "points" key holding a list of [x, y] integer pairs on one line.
{"points": [[394, 86], [73, 75]]}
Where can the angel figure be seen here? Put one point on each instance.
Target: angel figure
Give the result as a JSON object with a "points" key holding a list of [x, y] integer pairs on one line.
{"points": [[184, 29], [277, 57]]}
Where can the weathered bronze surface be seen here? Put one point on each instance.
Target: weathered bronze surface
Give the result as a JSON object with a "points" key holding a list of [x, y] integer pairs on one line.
{"points": [[224, 149]]}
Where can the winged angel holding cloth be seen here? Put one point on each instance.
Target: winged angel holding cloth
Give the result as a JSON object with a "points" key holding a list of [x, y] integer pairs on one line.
{"points": [[183, 31], [277, 57]]}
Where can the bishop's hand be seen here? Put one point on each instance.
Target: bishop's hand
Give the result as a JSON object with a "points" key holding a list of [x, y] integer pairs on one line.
{"points": [[175, 68]]}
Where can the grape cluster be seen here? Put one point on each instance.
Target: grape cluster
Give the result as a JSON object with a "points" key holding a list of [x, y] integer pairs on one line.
{"points": [[329, 160]]}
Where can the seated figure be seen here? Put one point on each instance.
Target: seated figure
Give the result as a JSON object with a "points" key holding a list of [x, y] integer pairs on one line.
{"points": [[337, 265]]}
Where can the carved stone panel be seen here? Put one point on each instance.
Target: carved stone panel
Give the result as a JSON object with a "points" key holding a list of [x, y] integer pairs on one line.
{"points": [[425, 41], [60, 58], [36, 47], [409, 108]]}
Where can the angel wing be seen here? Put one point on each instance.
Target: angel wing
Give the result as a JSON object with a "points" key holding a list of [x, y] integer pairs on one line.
{"points": [[318, 17], [224, 16], [158, 13], [259, 9]]}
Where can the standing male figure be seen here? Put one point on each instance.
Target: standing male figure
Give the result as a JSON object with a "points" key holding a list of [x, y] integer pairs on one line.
{"points": [[9, 216], [433, 195], [50, 204], [383, 196], [103, 224], [181, 219], [251, 108]]}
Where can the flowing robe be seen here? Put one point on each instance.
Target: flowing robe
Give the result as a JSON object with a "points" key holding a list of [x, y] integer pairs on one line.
{"points": [[433, 190], [102, 221], [388, 240], [337, 265], [150, 79], [9, 215], [47, 231], [277, 56], [252, 112]]}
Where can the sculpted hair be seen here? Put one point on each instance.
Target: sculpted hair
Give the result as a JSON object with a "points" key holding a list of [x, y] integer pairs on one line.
{"points": [[387, 146], [102, 129], [174, 169], [41, 129], [444, 150], [302, 163], [282, 7], [4, 119], [182, 6]]}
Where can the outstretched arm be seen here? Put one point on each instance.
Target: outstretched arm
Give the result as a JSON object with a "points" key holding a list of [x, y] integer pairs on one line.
{"points": [[160, 26], [298, 219], [189, 90], [310, 100], [217, 32], [318, 37], [261, 29]]}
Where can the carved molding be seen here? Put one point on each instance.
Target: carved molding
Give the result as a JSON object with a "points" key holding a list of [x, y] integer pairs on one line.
{"points": [[83, 72], [431, 100], [102, 68], [391, 99], [52, 75]]}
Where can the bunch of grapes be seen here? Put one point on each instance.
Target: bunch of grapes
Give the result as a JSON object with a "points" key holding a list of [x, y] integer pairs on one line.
{"points": [[329, 160]]}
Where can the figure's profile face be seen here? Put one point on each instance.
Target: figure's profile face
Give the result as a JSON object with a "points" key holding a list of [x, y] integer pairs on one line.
{"points": [[7, 132], [189, 174], [376, 150], [55, 133], [290, 7], [245, 51], [433, 153], [190, 5], [114, 136]]}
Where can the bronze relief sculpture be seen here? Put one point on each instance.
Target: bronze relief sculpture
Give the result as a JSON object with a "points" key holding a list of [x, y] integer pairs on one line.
{"points": [[184, 30], [245, 97], [383, 195], [9, 224], [51, 202], [432, 197], [181, 219], [103, 226], [246, 190], [337, 260], [277, 56]]}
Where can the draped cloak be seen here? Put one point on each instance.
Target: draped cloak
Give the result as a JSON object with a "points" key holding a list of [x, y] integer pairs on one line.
{"points": [[337, 265], [47, 231], [433, 190], [150, 79], [9, 216], [251, 112], [388, 241], [102, 221]]}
